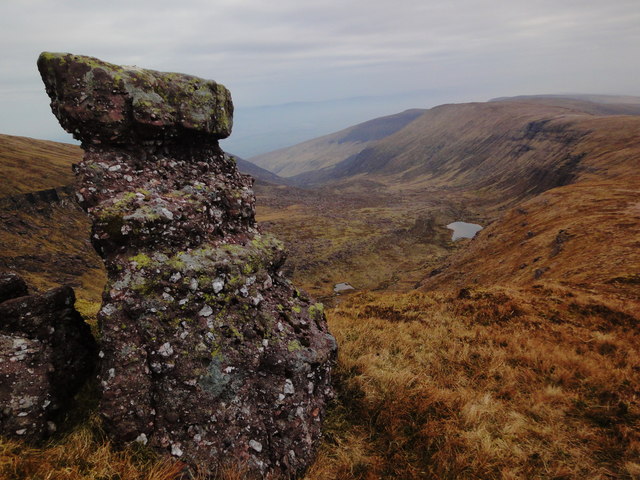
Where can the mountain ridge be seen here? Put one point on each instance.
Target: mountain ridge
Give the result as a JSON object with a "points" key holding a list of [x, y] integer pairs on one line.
{"points": [[463, 145], [333, 147]]}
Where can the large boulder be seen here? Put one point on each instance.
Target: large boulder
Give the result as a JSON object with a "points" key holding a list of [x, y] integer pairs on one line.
{"points": [[47, 352], [11, 286], [208, 352], [99, 102]]}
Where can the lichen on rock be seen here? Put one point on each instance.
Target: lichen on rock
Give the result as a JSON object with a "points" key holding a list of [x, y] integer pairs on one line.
{"points": [[208, 352], [100, 102]]}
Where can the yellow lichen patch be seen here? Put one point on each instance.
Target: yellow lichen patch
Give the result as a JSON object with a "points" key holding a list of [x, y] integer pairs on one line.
{"points": [[142, 260]]}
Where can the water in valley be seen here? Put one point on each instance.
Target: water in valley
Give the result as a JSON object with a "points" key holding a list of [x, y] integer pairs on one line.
{"points": [[463, 230]]}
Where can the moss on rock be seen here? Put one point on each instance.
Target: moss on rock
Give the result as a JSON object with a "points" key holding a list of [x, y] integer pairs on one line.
{"points": [[134, 103]]}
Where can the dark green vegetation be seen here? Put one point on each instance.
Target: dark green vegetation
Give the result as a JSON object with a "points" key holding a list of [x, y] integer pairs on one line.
{"points": [[518, 354]]}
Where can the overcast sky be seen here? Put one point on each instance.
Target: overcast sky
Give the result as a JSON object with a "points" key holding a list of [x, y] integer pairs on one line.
{"points": [[342, 61]]}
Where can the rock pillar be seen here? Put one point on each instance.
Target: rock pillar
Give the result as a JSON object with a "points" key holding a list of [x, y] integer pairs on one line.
{"points": [[208, 352]]}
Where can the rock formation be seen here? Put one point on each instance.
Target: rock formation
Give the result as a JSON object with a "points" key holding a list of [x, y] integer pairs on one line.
{"points": [[208, 353], [46, 354], [12, 286]]}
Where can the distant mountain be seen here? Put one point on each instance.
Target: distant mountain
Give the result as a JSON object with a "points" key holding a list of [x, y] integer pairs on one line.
{"points": [[594, 104], [326, 151], [264, 128], [515, 148], [257, 172]]}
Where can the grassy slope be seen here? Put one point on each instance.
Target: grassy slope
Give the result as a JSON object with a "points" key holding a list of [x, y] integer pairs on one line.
{"points": [[49, 245], [438, 386], [258, 173], [448, 165], [486, 386], [507, 148], [586, 235], [595, 104], [29, 164], [326, 151]]}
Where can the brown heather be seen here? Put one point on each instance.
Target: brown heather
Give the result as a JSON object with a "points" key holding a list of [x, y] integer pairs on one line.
{"points": [[29, 164], [81, 455], [485, 386]]}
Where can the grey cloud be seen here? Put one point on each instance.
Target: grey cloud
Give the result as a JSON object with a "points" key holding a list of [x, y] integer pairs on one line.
{"points": [[270, 52]]}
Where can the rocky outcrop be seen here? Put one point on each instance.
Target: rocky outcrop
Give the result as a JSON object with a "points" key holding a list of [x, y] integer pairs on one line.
{"points": [[46, 353], [208, 352], [12, 286], [99, 102], [40, 198]]}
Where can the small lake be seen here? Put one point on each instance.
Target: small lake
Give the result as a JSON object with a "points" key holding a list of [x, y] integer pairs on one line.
{"points": [[463, 230]]}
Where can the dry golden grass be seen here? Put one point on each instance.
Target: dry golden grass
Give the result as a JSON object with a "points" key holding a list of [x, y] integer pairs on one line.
{"points": [[48, 246], [82, 455], [29, 164], [86, 454], [490, 383], [586, 234], [486, 386]]}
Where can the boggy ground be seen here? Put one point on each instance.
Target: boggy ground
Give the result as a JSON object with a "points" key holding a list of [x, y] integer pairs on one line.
{"points": [[368, 236]]}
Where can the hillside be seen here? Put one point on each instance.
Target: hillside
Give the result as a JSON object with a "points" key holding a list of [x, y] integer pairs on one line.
{"points": [[512, 355], [381, 225], [593, 104], [43, 233], [29, 164], [585, 235], [323, 152], [510, 148], [465, 162], [260, 174]]}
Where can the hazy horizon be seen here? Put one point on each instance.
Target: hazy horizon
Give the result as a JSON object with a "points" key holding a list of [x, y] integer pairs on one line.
{"points": [[298, 71]]}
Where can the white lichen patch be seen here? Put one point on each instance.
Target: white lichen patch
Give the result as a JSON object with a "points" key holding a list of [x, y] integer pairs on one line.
{"points": [[166, 350], [257, 446]]}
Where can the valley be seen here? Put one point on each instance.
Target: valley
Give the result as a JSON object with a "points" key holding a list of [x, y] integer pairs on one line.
{"points": [[514, 354]]}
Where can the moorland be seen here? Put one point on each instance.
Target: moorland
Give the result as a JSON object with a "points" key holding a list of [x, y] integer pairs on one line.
{"points": [[515, 354]]}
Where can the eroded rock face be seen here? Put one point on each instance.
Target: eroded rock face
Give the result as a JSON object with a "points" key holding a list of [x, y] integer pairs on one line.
{"points": [[99, 102], [209, 354], [11, 286], [46, 353]]}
